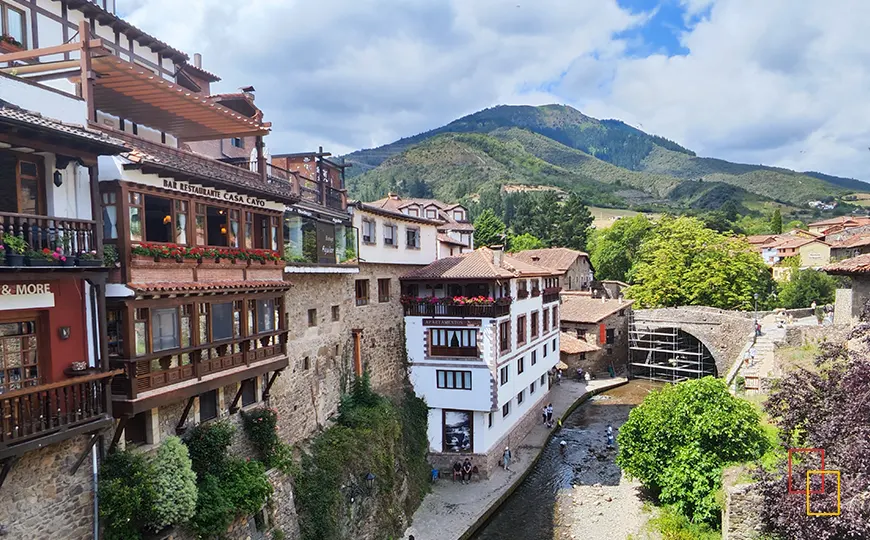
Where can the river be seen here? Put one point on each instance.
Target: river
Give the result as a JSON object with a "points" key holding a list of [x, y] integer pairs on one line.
{"points": [[580, 493]]}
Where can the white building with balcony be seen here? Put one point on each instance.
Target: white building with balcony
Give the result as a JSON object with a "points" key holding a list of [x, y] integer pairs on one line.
{"points": [[482, 333]]}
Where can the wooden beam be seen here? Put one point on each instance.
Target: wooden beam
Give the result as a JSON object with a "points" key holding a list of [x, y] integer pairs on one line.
{"points": [[270, 383], [179, 427], [87, 73], [84, 453], [57, 49], [40, 68], [118, 431], [234, 407]]}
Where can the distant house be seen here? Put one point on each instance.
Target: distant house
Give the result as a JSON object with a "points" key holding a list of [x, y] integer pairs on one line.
{"points": [[850, 247], [573, 264], [843, 222], [602, 323], [575, 352], [455, 231]]}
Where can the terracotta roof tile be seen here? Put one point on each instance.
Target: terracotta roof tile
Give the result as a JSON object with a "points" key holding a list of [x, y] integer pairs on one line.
{"points": [[396, 204], [855, 265], [205, 286], [571, 344], [477, 264], [858, 240], [12, 114], [447, 240], [559, 259], [578, 309], [203, 169]]}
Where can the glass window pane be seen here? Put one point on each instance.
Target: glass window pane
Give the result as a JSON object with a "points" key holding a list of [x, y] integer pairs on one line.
{"points": [[15, 24], [29, 196], [185, 331], [110, 222], [221, 321], [180, 228], [158, 219], [164, 329], [265, 316], [200, 230], [216, 225], [140, 337], [135, 224]]}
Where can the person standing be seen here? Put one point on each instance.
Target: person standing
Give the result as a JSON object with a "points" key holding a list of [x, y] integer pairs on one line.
{"points": [[544, 414], [506, 458], [550, 414], [558, 376]]}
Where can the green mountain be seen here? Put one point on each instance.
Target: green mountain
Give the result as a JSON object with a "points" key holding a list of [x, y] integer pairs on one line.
{"points": [[606, 161]]}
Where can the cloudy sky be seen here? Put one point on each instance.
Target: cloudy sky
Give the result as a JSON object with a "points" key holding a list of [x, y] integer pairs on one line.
{"points": [[780, 82]]}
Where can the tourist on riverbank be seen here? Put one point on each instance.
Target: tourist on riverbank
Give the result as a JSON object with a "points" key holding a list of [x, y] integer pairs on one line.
{"points": [[544, 414], [550, 414], [506, 458]]}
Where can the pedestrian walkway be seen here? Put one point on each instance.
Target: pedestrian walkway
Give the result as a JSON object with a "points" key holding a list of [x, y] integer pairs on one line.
{"points": [[452, 508], [764, 366]]}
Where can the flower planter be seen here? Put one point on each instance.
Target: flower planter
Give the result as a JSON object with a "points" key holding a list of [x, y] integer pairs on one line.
{"points": [[91, 262], [7, 47], [70, 261], [14, 259], [42, 262]]}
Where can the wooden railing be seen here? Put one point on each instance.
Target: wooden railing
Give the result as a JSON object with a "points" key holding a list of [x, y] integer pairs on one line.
{"points": [[522, 294], [160, 370], [467, 352], [425, 309], [40, 232], [335, 199], [45, 409], [551, 294]]}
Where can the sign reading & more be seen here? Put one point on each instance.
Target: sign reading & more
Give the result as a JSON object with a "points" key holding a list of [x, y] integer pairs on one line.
{"points": [[26, 288], [26, 296], [213, 193]]}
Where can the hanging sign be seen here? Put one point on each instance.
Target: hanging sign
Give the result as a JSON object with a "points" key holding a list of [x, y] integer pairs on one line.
{"points": [[26, 296]]}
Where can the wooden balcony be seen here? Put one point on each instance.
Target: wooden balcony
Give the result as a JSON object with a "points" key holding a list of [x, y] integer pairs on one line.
{"points": [[164, 372], [453, 352], [551, 294], [40, 232], [308, 190], [40, 415], [426, 309]]}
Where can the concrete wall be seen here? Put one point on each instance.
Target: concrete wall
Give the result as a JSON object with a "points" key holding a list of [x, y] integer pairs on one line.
{"points": [[815, 254]]}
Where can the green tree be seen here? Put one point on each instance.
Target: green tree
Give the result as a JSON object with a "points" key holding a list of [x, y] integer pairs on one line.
{"points": [[126, 491], [679, 439], [613, 251], [572, 223], [776, 222], [489, 229], [805, 287], [174, 485], [525, 242], [685, 263]]}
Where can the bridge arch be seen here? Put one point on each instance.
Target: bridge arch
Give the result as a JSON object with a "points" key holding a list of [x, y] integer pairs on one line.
{"points": [[669, 354]]}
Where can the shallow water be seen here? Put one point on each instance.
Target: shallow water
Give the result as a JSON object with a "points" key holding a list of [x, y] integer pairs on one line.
{"points": [[529, 514]]}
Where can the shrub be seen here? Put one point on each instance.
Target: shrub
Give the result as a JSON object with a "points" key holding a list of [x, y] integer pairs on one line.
{"points": [[207, 444], [260, 427], [679, 439], [214, 513], [174, 485], [246, 486], [126, 495]]}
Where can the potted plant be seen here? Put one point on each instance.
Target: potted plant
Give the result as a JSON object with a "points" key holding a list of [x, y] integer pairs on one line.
{"points": [[15, 249], [89, 258], [110, 256], [46, 257], [10, 44]]}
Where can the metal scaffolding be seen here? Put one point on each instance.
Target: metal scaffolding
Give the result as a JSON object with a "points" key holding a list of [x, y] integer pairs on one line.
{"points": [[666, 354]]}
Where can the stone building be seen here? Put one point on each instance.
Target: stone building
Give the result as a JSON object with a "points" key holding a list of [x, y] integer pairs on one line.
{"points": [[602, 323], [572, 264], [574, 352], [858, 269]]}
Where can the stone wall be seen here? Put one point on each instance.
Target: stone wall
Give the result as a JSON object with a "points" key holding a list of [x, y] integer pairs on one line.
{"points": [[615, 355], [843, 308], [41, 499], [740, 517]]}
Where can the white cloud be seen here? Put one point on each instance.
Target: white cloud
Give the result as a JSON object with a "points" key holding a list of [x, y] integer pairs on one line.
{"points": [[781, 82]]}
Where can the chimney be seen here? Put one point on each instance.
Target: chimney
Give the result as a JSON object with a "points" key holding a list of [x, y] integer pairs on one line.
{"points": [[497, 252], [393, 196], [197, 60]]}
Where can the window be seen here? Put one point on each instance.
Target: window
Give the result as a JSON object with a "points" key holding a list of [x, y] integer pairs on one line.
{"points": [[368, 231], [555, 317], [110, 216], [384, 290], [545, 318], [543, 380], [554, 344], [114, 331], [335, 313], [208, 409], [532, 388], [622, 313], [312, 317], [267, 315], [430, 213], [412, 238], [14, 24], [158, 219], [521, 330], [181, 222], [503, 375], [164, 329], [237, 142], [216, 226], [362, 292], [520, 397], [453, 342], [412, 290], [136, 430], [504, 336], [581, 333], [458, 215], [221, 321], [535, 317], [413, 212], [522, 289], [506, 409], [19, 355], [609, 335], [534, 357], [249, 392], [390, 235], [521, 364], [489, 420], [453, 380], [306, 363], [545, 349]]}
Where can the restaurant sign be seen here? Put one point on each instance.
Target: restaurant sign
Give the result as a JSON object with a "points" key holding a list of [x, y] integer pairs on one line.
{"points": [[213, 193], [26, 296], [451, 322]]}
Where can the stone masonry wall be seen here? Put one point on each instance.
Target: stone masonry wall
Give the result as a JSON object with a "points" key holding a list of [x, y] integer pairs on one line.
{"points": [[740, 517], [41, 499]]}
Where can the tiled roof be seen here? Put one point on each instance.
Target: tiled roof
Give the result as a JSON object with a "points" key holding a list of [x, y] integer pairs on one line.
{"points": [[396, 204], [447, 240], [758, 239], [793, 242], [201, 73], [559, 259], [368, 207], [203, 169], [855, 265], [578, 309], [10, 114], [461, 226], [571, 344], [477, 264], [206, 286], [859, 240]]}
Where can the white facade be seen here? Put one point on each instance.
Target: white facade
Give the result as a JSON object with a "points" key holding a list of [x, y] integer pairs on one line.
{"points": [[489, 396], [376, 230]]}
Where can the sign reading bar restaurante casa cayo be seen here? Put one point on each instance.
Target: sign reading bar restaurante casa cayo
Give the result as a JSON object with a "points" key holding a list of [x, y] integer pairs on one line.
{"points": [[26, 296], [213, 193]]}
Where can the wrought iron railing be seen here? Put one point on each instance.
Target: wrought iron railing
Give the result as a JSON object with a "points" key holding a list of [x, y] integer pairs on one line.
{"points": [[426, 309], [48, 232]]}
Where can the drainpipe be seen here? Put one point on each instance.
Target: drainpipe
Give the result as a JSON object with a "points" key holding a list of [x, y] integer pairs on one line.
{"points": [[96, 493]]}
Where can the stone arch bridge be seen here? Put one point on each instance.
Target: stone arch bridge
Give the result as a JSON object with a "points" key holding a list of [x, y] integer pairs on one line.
{"points": [[673, 344]]}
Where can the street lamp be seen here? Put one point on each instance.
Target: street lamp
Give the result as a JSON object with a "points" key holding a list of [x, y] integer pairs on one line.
{"points": [[755, 295]]}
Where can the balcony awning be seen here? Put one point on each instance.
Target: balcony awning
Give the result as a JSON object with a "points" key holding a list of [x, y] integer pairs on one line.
{"points": [[135, 93]]}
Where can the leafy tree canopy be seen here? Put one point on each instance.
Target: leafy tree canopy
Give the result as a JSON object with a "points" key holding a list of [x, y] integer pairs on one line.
{"points": [[488, 229], [805, 287], [681, 437], [614, 250], [685, 263], [776, 222], [524, 242]]}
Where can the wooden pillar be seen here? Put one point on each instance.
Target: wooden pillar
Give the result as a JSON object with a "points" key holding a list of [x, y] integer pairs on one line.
{"points": [[261, 158], [96, 208], [87, 73]]}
